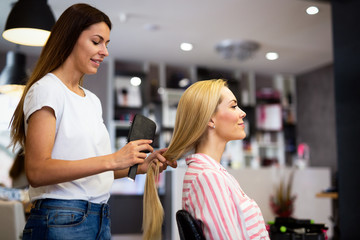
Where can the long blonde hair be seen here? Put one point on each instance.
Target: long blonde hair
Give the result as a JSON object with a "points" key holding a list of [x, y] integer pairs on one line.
{"points": [[195, 109], [59, 46]]}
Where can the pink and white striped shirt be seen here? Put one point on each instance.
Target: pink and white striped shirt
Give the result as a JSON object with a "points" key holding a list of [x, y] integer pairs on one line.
{"points": [[214, 196]]}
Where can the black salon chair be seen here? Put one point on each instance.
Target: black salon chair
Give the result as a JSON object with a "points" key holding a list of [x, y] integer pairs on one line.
{"points": [[189, 228]]}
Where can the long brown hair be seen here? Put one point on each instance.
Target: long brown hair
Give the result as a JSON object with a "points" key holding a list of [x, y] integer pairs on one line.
{"points": [[196, 107], [59, 46], [18, 166]]}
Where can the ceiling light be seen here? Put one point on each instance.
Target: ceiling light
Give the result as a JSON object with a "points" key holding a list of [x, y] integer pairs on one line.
{"points": [[135, 81], [161, 91], [272, 56], [312, 10], [186, 46], [29, 23], [241, 50], [13, 77], [184, 82]]}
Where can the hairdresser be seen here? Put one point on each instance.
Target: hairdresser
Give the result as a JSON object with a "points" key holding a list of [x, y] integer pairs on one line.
{"points": [[58, 123]]}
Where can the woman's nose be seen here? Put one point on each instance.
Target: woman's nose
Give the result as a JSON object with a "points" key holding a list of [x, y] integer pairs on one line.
{"points": [[104, 51], [242, 113]]}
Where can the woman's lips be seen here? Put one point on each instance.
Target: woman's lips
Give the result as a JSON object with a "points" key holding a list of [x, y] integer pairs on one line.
{"points": [[97, 62]]}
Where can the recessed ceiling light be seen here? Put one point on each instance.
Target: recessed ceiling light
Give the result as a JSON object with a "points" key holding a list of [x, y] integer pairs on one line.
{"points": [[135, 81], [312, 10], [184, 82], [272, 56], [186, 46], [161, 91]]}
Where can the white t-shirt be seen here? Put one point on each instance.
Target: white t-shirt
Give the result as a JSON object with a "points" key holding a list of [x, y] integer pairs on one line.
{"points": [[80, 133]]}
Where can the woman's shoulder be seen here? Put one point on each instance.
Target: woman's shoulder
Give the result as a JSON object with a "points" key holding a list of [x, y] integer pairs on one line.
{"points": [[201, 173], [48, 82], [45, 90], [49, 78]]}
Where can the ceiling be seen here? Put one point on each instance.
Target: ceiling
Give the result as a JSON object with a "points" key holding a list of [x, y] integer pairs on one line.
{"points": [[304, 42]]}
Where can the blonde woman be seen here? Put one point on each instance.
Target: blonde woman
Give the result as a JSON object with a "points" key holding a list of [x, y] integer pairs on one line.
{"points": [[207, 118]]}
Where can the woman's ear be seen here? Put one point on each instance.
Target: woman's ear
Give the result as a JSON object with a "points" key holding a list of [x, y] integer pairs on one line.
{"points": [[211, 123]]}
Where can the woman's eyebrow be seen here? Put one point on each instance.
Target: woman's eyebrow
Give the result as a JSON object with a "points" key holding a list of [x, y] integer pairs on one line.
{"points": [[99, 36]]}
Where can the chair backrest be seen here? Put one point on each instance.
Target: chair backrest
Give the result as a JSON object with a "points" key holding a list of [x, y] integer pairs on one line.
{"points": [[189, 228]]}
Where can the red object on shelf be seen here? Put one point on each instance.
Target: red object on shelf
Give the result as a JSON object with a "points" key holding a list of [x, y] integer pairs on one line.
{"points": [[268, 94]]}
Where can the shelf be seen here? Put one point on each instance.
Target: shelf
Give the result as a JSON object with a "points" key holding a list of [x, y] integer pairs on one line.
{"points": [[170, 99], [268, 145], [333, 195], [122, 124], [249, 154]]}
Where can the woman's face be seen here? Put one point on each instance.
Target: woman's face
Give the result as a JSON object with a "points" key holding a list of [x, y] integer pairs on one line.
{"points": [[228, 119], [91, 48]]}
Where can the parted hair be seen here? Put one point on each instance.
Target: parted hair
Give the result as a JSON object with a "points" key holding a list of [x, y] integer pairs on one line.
{"points": [[196, 107], [64, 35]]}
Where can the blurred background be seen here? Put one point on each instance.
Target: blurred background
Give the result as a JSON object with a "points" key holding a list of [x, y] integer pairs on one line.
{"points": [[278, 57]]}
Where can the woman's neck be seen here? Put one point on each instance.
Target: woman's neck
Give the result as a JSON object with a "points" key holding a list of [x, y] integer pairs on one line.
{"points": [[211, 147], [70, 78]]}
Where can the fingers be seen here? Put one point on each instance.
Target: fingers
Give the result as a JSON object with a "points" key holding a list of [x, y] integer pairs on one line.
{"points": [[143, 145], [162, 166], [142, 141], [160, 157], [132, 153], [141, 156], [161, 151], [172, 164], [155, 159], [162, 161]]}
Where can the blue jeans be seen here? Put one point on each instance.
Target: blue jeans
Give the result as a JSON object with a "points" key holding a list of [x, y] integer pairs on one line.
{"points": [[68, 219]]}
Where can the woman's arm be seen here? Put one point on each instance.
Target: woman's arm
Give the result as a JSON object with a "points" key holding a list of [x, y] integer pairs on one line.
{"points": [[42, 170], [156, 157]]}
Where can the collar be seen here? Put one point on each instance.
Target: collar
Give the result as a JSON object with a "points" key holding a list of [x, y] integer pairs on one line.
{"points": [[205, 161]]}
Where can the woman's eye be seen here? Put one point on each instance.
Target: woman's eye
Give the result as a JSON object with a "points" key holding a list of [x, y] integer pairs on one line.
{"points": [[95, 43], [235, 106]]}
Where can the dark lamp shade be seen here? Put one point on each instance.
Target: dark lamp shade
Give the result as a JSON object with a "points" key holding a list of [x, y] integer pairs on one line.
{"points": [[29, 23], [14, 76]]}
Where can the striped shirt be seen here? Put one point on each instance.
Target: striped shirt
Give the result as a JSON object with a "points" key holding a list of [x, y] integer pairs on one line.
{"points": [[214, 196]]}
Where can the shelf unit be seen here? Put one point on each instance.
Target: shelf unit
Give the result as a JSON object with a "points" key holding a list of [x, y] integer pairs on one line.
{"points": [[267, 99], [170, 99], [260, 146]]}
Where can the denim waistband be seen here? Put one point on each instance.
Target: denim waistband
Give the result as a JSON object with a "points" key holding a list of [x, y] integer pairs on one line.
{"points": [[86, 206]]}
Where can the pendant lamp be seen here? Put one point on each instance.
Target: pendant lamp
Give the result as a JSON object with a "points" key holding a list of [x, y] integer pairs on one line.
{"points": [[13, 77], [29, 23]]}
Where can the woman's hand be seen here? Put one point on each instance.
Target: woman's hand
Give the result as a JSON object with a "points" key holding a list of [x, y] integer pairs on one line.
{"points": [[156, 158], [131, 154]]}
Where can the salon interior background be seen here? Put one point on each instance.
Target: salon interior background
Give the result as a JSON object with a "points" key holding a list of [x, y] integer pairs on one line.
{"points": [[153, 32]]}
